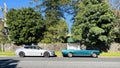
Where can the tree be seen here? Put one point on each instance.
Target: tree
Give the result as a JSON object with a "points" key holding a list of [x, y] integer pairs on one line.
{"points": [[115, 33], [116, 29], [54, 27], [25, 25], [53, 14], [3, 37], [56, 33], [93, 24]]}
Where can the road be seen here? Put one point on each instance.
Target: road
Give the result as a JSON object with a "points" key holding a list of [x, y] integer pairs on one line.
{"points": [[59, 62]]}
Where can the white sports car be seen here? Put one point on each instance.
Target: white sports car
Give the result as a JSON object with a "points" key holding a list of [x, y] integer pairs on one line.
{"points": [[34, 51]]}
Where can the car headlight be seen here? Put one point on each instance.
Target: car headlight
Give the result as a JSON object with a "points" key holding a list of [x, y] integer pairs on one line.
{"points": [[52, 52]]}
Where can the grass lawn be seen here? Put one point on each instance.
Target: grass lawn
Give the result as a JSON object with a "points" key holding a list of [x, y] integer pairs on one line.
{"points": [[59, 54], [7, 53], [110, 54]]}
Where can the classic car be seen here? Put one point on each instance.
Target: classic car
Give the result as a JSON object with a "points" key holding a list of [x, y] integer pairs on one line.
{"points": [[33, 51], [72, 52]]}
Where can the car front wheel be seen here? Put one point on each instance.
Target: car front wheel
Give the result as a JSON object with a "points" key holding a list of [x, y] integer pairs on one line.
{"points": [[94, 55], [70, 55], [22, 54], [46, 54]]}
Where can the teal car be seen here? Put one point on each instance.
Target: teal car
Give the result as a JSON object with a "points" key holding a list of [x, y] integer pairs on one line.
{"points": [[71, 53]]}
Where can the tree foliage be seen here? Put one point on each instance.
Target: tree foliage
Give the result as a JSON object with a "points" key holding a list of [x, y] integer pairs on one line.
{"points": [[116, 30], [116, 27], [54, 24], [25, 25], [93, 24], [56, 28]]}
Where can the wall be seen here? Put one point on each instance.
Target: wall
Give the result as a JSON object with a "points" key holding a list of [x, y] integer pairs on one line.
{"points": [[115, 47]]}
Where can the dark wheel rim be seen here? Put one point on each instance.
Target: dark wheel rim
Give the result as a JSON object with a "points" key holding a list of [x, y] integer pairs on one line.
{"points": [[21, 54], [46, 54], [70, 55]]}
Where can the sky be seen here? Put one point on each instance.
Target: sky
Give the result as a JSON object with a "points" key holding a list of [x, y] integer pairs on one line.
{"points": [[26, 3], [14, 4]]}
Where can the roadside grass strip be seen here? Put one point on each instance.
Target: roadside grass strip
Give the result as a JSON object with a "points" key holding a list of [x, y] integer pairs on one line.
{"points": [[7, 53], [110, 54], [58, 53]]}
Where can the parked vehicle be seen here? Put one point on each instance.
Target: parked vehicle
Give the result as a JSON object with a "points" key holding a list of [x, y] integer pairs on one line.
{"points": [[33, 51], [72, 52]]}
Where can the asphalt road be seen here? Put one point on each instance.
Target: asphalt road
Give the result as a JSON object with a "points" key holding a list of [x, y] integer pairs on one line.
{"points": [[59, 62]]}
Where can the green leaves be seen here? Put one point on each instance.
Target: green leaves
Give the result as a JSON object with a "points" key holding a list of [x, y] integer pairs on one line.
{"points": [[96, 30], [93, 23], [103, 38], [25, 25], [55, 26]]}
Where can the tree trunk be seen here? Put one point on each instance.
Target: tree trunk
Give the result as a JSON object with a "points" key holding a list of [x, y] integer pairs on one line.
{"points": [[2, 47]]}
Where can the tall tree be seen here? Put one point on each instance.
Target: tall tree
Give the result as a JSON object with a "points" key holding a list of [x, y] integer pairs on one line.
{"points": [[115, 4], [25, 25], [93, 24], [115, 33], [53, 13]]}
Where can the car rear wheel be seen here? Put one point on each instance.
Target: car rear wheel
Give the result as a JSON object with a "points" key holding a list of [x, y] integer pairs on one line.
{"points": [[46, 54], [22, 54], [70, 54], [94, 55]]}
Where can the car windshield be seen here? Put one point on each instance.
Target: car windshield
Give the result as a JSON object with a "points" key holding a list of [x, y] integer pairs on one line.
{"points": [[37, 47]]}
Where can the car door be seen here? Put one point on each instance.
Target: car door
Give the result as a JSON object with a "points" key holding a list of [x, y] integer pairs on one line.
{"points": [[78, 53], [36, 51], [82, 53], [29, 51]]}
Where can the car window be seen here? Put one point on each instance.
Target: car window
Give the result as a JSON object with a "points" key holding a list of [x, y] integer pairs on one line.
{"points": [[36, 47], [32, 47], [27, 47]]}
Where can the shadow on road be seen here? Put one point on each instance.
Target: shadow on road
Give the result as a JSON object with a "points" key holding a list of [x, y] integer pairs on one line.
{"points": [[8, 63]]}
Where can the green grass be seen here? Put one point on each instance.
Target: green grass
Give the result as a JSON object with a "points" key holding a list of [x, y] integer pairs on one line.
{"points": [[58, 53], [7, 53], [110, 54]]}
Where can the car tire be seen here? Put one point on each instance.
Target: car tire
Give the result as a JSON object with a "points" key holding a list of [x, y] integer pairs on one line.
{"points": [[22, 54], [64, 55], [70, 55], [94, 55], [46, 54]]}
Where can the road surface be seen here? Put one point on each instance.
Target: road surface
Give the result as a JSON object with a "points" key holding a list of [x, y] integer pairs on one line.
{"points": [[59, 62]]}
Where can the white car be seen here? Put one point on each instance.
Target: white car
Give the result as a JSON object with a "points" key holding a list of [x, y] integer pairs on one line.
{"points": [[34, 51]]}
